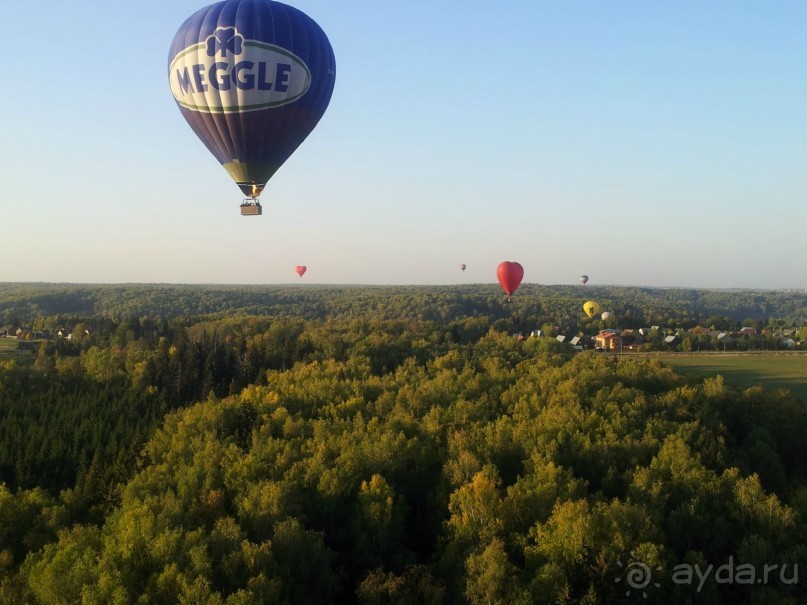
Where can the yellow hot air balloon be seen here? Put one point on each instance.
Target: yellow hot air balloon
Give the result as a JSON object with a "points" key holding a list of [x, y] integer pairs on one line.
{"points": [[591, 308]]}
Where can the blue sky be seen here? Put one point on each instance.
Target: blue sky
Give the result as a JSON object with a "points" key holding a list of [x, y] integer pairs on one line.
{"points": [[638, 142]]}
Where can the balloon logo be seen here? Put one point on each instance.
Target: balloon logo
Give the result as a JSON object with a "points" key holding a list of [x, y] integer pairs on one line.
{"points": [[462, 267], [252, 78], [583, 279], [510, 275], [591, 308], [300, 270]]}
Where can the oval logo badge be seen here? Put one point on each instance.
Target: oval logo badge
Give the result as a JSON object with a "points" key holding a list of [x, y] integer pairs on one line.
{"points": [[228, 74]]}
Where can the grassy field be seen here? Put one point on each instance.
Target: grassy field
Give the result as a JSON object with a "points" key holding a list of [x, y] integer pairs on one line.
{"points": [[773, 370], [7, 346]]}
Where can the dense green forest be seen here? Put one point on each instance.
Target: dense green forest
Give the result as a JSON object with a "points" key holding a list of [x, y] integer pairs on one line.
{"points": [[386, 445], [560, 305]]}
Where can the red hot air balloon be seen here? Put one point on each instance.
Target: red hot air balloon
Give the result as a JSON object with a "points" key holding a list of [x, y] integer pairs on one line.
{"points": [[301, 269], [510, 275], [462, 267]]}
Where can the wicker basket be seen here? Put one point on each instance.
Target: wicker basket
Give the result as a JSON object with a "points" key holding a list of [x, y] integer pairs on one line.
{"points": [[251, 209]]}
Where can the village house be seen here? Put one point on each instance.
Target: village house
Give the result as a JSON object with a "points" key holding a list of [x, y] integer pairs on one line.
{"points": [[632, 340], [608, 341]]}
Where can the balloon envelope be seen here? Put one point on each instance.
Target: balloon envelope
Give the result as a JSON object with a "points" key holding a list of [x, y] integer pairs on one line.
{"points": [[300, 270], [607, 315], [591, 308], [252, 78], [583, 279], [510, 275], [462, 267]]}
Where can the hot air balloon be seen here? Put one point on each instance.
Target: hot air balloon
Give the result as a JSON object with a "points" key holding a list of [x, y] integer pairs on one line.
{"points": [[300, 270], [510, 275], [252, 78], [607, 315], [591, 308], [462, 267], [583, 279]]}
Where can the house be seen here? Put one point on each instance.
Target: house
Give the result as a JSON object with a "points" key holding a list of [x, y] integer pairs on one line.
{"points": [[670, 340], [67, 333], [632, 340], [631, 335], [608, 341], [747, 331], [560, 338], [787, 343], [537, 333], [575, 341]]}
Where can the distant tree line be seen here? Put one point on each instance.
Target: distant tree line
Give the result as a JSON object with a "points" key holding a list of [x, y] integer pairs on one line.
{"points": [[533, 304]]}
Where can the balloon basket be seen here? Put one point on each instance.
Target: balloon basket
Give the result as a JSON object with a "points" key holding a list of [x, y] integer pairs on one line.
{"points": [[251, 208]]}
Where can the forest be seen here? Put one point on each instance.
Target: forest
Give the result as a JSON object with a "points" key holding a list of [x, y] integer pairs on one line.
{"points": [[235, 445], [560, 305]]}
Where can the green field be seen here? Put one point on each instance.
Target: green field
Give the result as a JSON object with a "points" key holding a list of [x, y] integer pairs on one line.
{"points": [[769, 369], [7, 346]]}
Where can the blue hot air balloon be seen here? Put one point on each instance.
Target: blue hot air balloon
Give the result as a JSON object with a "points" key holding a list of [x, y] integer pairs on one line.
{"points": [[252, 78]]}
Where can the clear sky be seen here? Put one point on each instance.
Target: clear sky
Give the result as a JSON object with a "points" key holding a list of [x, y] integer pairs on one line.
{"points": [[650, 143]]}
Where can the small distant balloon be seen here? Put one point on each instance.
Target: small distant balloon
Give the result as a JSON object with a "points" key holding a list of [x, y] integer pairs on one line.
{"points": [[510, 275], [591, 308], [607, 315], [462, 267], [300, 270], [583, 279]]}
